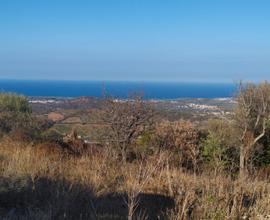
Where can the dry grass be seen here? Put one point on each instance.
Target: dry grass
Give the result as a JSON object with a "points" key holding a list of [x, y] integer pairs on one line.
{"points": [[37, 184]]}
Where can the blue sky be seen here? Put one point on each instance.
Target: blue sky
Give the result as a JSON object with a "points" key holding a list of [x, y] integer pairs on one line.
{"points": [[184, 40]]}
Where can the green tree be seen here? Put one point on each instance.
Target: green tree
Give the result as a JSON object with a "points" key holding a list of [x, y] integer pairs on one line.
{"points": [[17, 120], [15, 112], [14, 103], [214, 153], [219, 147]]}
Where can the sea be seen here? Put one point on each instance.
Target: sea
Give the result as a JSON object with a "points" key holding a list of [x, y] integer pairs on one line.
{"points": [[120, 89]]}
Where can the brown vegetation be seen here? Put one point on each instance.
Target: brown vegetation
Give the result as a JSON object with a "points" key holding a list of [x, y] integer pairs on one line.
{"points": [[126, 122], [35, 185], [178, 170], [180, 137]]}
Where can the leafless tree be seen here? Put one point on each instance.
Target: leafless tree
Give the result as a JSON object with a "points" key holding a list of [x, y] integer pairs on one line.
{"points": [[251, 116], [126, 120]]}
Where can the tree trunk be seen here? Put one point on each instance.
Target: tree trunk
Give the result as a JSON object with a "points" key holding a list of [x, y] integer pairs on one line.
{"points": [[195, 167], [242, 163]]}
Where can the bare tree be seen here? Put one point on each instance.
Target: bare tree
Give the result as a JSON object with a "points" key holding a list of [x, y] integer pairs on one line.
{"points": [[251, 117], [126, 120]]}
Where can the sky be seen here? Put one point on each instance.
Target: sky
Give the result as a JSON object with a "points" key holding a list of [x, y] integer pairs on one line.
{"points": [[135, 40]]}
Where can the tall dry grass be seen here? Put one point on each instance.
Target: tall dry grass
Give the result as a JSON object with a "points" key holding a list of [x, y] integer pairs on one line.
{"points": [[43, 184]]}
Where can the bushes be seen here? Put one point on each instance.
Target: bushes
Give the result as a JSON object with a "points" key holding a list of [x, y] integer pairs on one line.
{"points": [[145, 145], [219, 147], [16, 118], [180, 137], [51, 181], [15, 112], [36, 129], [213, 148], [46, 187], [14, 103]]}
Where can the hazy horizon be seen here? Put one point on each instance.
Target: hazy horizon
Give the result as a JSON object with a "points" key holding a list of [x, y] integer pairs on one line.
{"points": [[129, 80]]}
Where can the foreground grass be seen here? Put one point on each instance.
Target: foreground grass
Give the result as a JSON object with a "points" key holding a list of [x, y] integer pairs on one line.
{"points": [[40, 182]]}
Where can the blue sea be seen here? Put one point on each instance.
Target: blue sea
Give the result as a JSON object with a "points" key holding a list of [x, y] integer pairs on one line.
{"points": [[151, 90]]}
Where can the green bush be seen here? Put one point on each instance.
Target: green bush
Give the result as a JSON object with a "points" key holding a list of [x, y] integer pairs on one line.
{"points": [[15, 112], [219, 150], [14, 103], [51, 135], [214, 153], [145, 145], [16, 119]]}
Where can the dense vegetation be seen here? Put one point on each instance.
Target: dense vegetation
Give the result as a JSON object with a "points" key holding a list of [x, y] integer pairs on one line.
{"points": [[143, 167]]}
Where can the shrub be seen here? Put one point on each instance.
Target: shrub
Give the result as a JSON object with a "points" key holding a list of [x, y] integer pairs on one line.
{"points": [[182, 137], [15, 112], [214, 153], [16, 118], [145, 145], [14, 103], [219, 147]]}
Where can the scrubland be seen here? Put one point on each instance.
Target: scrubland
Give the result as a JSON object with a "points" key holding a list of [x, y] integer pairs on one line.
{"points": [[37, 183], [144, 167]]}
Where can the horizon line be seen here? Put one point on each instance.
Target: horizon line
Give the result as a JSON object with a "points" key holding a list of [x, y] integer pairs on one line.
{"points": [[130, 80]]}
